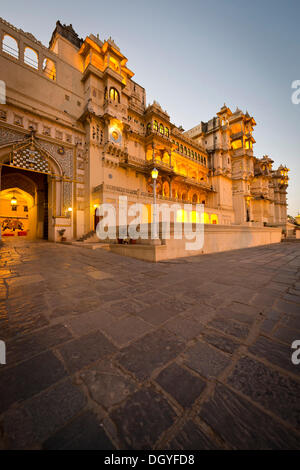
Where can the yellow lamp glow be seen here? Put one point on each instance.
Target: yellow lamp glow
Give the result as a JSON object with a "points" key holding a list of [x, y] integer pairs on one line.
{"points": [[70, 209], [214, 219], [96, 205], [154, 173], [194, 217], [13, 201], [204, 218]]}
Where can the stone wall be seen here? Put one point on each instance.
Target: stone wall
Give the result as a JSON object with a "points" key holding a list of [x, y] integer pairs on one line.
{"points": [[217, 238]]}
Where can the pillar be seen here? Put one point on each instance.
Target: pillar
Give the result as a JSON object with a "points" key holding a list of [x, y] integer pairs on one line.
{"points": [[153, 152]]}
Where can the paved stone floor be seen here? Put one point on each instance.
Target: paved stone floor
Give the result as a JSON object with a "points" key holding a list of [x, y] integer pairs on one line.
{"points": [[109, 352]]}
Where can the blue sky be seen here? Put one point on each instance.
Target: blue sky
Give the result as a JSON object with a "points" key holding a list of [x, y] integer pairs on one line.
{"points": [[194, 55]]}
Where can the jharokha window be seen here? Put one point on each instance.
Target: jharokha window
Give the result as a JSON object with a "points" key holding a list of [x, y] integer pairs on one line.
{"points": [[155, 125], [167, 132], [114, 95], [161, 129], [49, 69], [149, 126], [10, 46], [31, 58]]}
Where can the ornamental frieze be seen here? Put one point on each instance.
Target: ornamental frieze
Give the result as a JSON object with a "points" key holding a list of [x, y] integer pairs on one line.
{"points": [[65, 160], [9, 135]]}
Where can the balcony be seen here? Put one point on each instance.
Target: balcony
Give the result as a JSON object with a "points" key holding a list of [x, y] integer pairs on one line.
{"points": [[241, 152], [110, 107]]}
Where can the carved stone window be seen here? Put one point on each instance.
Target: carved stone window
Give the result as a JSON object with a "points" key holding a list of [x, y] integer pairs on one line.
{"points": [[58, 135], [32, 125], [46, 130], [3, 115], [18, 120], [49, 69], [10, 46], [114, 95], [31, 57]]}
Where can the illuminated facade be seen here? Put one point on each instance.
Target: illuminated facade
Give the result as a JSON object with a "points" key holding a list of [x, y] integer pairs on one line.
{"points": [[76, 131]]}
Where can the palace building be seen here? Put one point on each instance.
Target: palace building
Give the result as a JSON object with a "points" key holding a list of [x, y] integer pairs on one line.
{"points": [[76, 131]]}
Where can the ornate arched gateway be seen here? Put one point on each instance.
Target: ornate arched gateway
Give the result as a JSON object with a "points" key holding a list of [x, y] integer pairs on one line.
{"points": [[43, 185]]}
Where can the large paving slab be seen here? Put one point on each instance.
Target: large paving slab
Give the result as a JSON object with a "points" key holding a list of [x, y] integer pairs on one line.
{"points": [[107, 352]]}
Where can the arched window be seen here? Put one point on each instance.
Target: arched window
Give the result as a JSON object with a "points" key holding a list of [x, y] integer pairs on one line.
{"points": [[114, 95], [149, 126], [204, 161], [189, 152], [192, 153], [49, 69], [10, 46], [161, 129], [201, 158], [31, 58], [177, 145], [185, 150], [167, 133], [155, 125], [213, 219], [181, 148]]}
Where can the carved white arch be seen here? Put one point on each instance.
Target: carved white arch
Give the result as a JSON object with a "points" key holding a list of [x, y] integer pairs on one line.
{"points": [[55, 172]]}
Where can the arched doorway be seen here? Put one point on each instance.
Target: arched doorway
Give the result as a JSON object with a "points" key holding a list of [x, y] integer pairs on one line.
{"points": [[32, 183], [23, 204], [96, 218], [195, 198], [17, 216]]}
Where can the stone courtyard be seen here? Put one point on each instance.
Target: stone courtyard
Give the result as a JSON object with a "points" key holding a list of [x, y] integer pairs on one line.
{"points": [[108, 352]]}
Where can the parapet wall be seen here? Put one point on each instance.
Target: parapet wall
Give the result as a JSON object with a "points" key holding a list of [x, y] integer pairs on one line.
{"points": [[217, 238]]}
